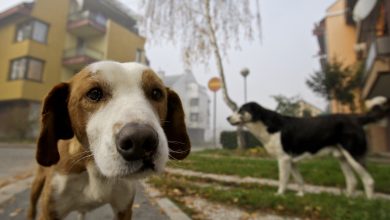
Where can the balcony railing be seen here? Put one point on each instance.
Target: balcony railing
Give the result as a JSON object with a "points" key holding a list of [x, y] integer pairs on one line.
{"points": [[380, 47], [75, 58], [87, 23], [97, 55]]}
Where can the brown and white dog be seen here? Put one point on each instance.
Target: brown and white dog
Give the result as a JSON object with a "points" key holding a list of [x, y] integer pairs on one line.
{"points": [[111, 124]]}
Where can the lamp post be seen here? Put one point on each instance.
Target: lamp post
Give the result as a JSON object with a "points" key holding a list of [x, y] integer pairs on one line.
{"points": [[242, 140], [245, 72], [214, 85]]}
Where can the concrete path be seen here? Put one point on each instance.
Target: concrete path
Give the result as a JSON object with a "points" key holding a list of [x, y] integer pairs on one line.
{"points": [[144, 208], [17, 161], [262, 181]]}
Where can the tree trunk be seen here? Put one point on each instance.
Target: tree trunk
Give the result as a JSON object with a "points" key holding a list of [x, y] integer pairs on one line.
{"points": [[241, 140], [217, 55]]}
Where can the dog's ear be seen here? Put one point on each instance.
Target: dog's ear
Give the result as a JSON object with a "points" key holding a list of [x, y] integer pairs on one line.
{"points": [[175, 128], [55, 125]]}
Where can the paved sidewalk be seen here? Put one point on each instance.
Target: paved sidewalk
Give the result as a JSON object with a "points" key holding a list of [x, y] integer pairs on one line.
{"points": [[18, 145], [262, 181], [144, 208], [17, 162]]}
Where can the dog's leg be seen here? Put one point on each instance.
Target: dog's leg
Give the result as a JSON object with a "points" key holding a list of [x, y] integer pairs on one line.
{"points": [[367, 180], [284, 163], [350, 178], [81, 216], [123, 205], [298, 179], [36, 190], [124, 214]]}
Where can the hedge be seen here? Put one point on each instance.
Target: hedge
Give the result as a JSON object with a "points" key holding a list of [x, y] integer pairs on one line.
{"points": [[228, 140]]}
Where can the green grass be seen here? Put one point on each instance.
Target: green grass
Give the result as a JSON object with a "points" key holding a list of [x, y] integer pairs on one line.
{"points": [[261, 198], [323, 171]]}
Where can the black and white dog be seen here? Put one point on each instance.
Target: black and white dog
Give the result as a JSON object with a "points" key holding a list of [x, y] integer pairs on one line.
{"points": [[291, 139]]}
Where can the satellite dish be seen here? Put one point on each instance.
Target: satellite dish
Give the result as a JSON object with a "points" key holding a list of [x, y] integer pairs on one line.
{"points": [[362, 9]]}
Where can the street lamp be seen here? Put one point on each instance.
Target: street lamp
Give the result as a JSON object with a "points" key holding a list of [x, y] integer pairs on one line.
{"points": [[245, 72]]}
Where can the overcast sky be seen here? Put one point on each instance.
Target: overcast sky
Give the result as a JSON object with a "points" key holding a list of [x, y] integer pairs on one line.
{"points": [[278, 65]]}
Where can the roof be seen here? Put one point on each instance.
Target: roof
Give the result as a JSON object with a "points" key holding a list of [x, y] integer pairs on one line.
{"points": [[170, 80], [23, 9]]}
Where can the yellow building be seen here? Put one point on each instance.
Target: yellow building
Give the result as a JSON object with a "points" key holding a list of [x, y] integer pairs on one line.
{"points": [[373, 37], [337, 37], [46, 41], [359, 31]]}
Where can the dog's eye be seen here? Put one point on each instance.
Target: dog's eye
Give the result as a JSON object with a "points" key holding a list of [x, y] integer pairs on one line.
{"points": [[157, 94], [95, 94]]}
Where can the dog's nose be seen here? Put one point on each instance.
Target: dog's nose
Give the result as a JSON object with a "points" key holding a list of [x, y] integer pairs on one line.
{"points": [[228, 118], [136, 141]]}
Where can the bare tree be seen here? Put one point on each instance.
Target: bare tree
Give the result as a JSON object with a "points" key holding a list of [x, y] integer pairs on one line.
{"points": [[203, 29]]}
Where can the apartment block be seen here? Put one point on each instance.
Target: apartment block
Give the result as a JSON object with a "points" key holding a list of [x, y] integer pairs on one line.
{"points": [[45, 42], [373, 42], [196, 104], [359, 31], [336, 34]]}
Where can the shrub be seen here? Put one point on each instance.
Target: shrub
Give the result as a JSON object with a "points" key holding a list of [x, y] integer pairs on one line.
{"points": [[228, 139]]}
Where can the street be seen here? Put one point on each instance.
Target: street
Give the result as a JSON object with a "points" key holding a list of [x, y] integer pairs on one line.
{"points": [[15, 159], [21, 158]]}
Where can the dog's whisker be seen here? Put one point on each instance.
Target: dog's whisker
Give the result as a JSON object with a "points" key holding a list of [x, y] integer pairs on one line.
{"points": [[179, 151], [176, 165], [177, 142], [82, 153], [74, 162]]}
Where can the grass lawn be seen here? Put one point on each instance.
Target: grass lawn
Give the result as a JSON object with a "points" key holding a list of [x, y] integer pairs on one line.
{"points": [[323, 171], [251, 197]]}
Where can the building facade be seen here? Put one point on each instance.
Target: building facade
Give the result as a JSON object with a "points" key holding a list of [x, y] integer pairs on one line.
{"points": [[196, 104], [358, 31], [373, 37], [45, 42], [307, 109], [336, 35]]}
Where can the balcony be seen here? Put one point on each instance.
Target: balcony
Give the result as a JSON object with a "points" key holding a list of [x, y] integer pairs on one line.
{"points": [[379, 48], [77, 58], [377, 69], [87, 24]]}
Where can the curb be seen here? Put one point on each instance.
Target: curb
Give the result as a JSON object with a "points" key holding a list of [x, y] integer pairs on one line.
{"points": [[165, 204]]}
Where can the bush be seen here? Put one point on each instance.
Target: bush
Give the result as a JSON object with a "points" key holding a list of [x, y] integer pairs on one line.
{"points": [[228, 139]]}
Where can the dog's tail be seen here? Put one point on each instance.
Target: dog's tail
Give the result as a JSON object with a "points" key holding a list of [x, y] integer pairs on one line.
{"points": [[36, 190], [378, 108]]}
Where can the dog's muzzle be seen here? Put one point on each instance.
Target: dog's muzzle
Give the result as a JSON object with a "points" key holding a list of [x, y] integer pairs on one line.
{"points": [[232, 120], [137, 142]]}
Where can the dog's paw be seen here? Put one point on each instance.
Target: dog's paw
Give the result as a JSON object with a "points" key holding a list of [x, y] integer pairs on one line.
{"points": [[300, 194]]}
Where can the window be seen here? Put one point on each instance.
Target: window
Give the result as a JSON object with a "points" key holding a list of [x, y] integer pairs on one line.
{"points": [[26, 68], [138, 56], [194, 101], [194, 117], [23, 32], [35, 30], [35, 69]]}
